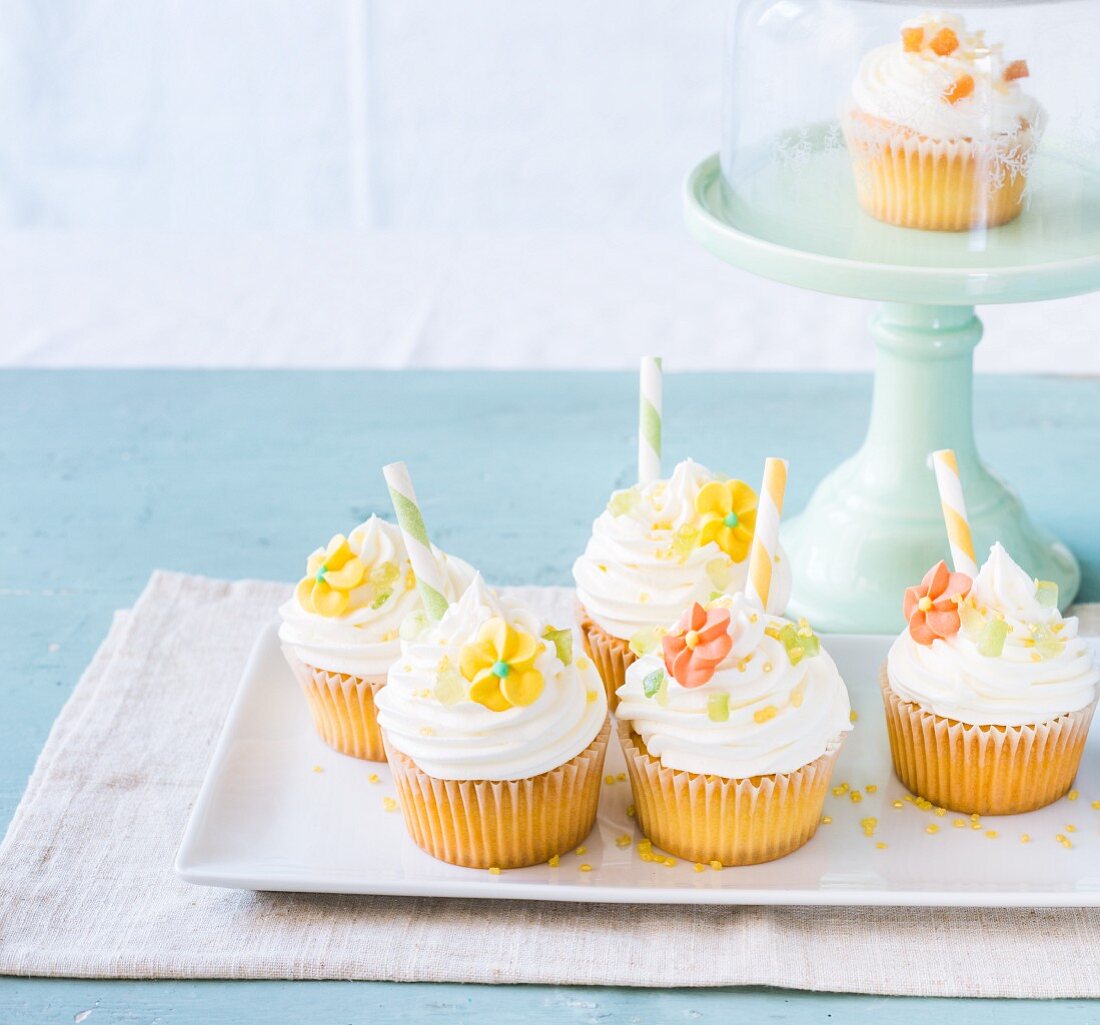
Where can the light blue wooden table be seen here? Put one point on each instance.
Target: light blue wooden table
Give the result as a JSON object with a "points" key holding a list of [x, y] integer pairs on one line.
{"points": [[106, 475]]}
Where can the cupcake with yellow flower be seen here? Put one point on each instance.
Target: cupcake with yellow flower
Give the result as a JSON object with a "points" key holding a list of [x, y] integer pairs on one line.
{"points": [[731, 732], [495, 734], [340, 630], [657, 549]]}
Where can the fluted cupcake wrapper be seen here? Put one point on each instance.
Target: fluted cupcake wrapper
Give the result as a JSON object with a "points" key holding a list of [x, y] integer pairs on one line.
{"points": [[343, 709], [503, 824], [991, 770], [914, 182], [733, 821], [611, 656]]}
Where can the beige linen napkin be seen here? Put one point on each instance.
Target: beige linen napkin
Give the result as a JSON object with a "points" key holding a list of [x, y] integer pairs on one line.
{"points": [[87, 887]]}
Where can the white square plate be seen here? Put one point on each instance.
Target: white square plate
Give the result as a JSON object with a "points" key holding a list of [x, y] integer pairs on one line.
{"points": [[281, 811]]}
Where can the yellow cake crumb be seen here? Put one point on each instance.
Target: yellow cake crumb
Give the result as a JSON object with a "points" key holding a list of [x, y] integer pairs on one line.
{"points": [[716, 865], [1073, 795], [494, 870], [899, 804], [608, 780], [992, 834], [959, 823], [555, 861], [881, 846], [871, 788], [975, 825], [1025, 838], [699, 867], [975, 817], [932, 828], [853, 715], [856, 796], [318, 768], [586, 867], [826, 819], [941, 812], [1071, 829], [581, 850], [670, 862], [389, 804], [620, 777], [630, 811], [1064, 841], [623, 840], [374, 778], [1096, 805]]}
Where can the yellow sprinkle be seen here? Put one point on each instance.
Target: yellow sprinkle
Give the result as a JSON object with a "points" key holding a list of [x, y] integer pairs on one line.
{"points": [[881, 846], [1096, 805], [932, 828], [923, 803], [581, 850], [940, 812], [620, 777], [975, 825], [318, 768], [856, 796], [871, 788], [975, 817], [608, 780], [716, 865], [1071, 829], [623, 841], [767, 669], [591, 696], [1064, 841], [1073, 795], [853, 715], [582, 663], [1025, 838], [586, 867], [908, 798], [959, 823], [699, 867], [670, 862], [494, 870], [555, 861], [427, 731], [841, 790], [1036, 657], [630, 811], [389, 804], [899, 804], [869, 826], [762, 715], [374, 778], [826, 819], [992, 834]]}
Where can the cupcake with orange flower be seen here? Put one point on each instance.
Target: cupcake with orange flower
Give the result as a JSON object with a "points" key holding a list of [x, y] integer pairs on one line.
{"points": [[496, 734], [989, 691], [940, 131], [339, 631], [731, 732], [657, 549]]}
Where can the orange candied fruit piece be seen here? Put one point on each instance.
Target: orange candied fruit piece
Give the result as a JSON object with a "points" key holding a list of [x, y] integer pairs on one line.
{"points": [[960, 89], [912, 39], [1017, 69], [944, 42]]}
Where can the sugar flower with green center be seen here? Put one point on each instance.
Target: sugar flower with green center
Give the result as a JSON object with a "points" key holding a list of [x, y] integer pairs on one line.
{"points": [[500, 666], [331, 576], [727, 511]]}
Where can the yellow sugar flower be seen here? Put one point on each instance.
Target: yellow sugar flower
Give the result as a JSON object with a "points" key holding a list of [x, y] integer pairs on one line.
{"points": [[500, 666], [331, 576], [727, 511]]}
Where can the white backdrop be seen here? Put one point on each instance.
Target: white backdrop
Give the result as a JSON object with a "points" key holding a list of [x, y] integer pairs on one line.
{"points": [[391, 182]]}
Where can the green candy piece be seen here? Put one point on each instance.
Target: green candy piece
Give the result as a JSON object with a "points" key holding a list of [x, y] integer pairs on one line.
{"points": [[720, 572], [1047, 643], [646, 640], [653, 682], [685, 540], [718, 708], [973, 622], [384, 574], [662, 693], [623, 502], [991, 644], [381, 598], [413, 625], [450, 688], [563, 643], [1046, 591]]}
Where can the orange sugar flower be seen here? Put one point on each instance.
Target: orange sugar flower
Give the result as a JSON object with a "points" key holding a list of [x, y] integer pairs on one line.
{"points": [[932, 608], [695, 648]]}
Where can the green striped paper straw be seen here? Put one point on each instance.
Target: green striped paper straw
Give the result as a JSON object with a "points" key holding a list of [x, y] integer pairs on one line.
{"points": [[429, 574], [649, 420]]}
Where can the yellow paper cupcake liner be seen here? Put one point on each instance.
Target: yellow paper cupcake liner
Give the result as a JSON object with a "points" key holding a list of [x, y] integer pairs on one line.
{"points": [[733, 821], [914, 182], [343, 709], [503, 824], [611, 656], [991, 770]]}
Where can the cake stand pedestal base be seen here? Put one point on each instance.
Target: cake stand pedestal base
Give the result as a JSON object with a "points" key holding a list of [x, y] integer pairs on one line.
{"points": [[873, 526]]}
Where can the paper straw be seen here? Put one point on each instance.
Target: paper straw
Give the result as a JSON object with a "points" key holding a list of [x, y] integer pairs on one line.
{"points": [[429, 575], [649, 420], [954, 511], [765, 539]]}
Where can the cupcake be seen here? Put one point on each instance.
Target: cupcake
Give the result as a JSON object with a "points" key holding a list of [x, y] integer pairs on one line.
{"points": [[731, 734], [988, 692], [940, 131], [495, 735], [339, 631], [655, 550]]}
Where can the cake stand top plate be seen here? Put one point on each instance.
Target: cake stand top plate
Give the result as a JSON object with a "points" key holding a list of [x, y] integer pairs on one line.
{"points": [[816, 236]]}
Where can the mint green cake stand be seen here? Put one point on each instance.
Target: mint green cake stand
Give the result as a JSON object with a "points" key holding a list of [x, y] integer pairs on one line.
{"points": [[873, 525]]}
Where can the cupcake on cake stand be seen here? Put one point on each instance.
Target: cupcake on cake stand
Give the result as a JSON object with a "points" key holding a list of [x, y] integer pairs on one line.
{"points": [[933, 162]]}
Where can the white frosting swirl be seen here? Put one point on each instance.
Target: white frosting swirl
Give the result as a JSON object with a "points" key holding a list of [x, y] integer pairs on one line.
{"points": [[908, 88], [781, 716], [468, 741], [630, 577], [953, 679], [364, 642]]}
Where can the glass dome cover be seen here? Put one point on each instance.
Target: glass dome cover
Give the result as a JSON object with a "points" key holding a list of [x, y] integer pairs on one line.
{"points": [[965, 135]]}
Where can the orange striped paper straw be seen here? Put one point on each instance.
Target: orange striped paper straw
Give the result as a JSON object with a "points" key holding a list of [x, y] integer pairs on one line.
{"points": [[765, 540], [954, 511]]}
